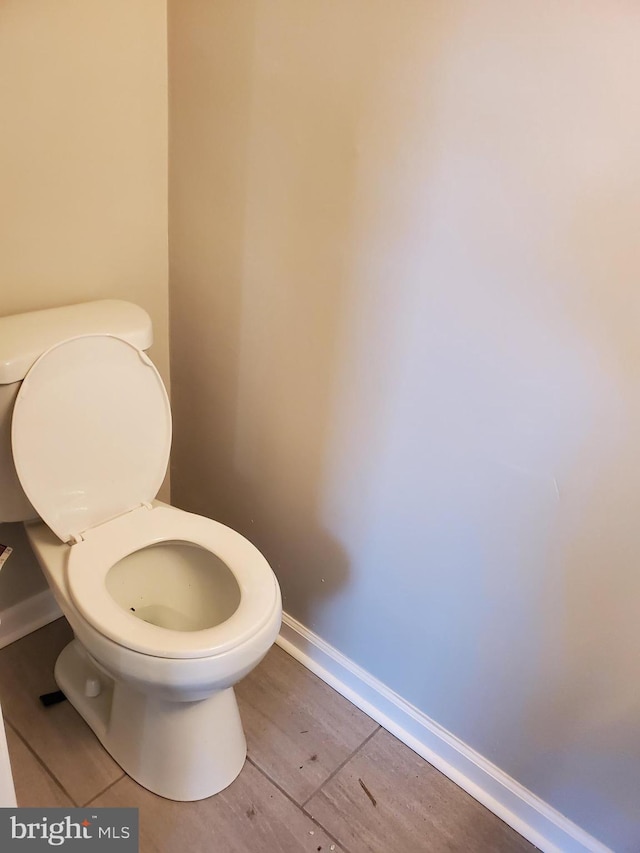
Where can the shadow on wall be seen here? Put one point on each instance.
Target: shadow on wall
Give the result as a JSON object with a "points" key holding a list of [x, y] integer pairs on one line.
{"points": [[286, 170], [215, 279], [21, 576]]}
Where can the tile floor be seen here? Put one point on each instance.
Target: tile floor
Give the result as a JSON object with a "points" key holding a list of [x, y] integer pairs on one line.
{"points": [[321, 776]]}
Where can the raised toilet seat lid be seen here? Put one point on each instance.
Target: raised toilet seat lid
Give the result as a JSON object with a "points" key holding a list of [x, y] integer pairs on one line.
{"points": [[91, 560], [90, 433]]}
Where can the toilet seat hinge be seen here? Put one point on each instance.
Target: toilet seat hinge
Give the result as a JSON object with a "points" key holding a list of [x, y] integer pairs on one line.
{"points": [[75, 538]]}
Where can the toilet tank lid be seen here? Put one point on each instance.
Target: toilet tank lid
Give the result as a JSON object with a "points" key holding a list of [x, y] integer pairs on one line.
{"points": [[24, 337]]}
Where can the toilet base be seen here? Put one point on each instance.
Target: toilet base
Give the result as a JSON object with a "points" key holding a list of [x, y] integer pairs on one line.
{"points": [[179, 750]]}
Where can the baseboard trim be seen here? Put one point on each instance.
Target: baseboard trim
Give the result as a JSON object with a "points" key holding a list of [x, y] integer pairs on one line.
{"points": [[27, 616], [530, 816]]}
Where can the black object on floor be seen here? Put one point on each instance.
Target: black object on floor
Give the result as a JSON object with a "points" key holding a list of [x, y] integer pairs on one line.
{"points": [[52, 698]]}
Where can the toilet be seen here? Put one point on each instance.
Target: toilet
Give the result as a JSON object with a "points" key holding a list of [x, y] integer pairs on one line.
{"points": [[169, 609]]}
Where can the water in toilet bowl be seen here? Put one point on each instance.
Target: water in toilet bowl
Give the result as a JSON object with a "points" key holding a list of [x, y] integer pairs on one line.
{"points": [[175, 585]]}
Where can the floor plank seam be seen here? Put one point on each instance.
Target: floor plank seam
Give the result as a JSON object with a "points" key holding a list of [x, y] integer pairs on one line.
{"points": [[340, 844], [297, 805], [41, 762], [339, 767], [104, 790]]}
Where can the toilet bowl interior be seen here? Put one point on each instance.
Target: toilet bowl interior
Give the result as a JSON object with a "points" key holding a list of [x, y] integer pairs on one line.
{"points": [[176, 585]]}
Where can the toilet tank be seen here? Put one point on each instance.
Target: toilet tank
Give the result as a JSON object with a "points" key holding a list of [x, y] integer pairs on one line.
{"points": [[23, 339]]}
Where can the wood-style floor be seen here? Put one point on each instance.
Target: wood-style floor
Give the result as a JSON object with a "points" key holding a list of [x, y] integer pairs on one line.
{"points": [[320, 776]]}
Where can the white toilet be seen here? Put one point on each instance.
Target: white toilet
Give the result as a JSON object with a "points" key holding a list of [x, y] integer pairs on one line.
{"points": [[169, 609]]}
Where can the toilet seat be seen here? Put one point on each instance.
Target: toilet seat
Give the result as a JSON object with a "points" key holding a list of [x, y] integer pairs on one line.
{"points": [[90, 560], [91, 434]]}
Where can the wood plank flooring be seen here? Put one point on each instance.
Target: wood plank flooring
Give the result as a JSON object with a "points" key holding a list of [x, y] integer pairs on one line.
{"points": [[321, 776]]}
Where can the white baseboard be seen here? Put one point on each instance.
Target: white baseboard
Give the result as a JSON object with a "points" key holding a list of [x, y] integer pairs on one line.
{"points": [[530, 816], [27, 616]]}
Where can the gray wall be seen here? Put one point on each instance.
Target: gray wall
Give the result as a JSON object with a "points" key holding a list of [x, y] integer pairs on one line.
{"points": [[405, 353]]}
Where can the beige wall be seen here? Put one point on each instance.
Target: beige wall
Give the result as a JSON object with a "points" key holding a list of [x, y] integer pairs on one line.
{"points": [[83, 164], [405, 349]]}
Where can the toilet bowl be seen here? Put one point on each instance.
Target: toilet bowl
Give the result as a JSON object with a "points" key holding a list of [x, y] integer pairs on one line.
{"points": [[169, 609], [172, 723]]}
